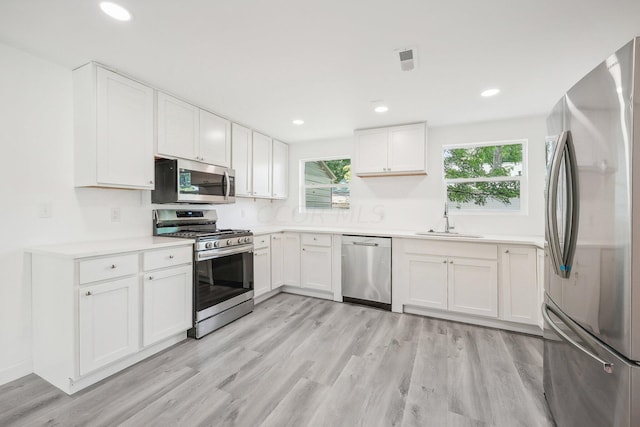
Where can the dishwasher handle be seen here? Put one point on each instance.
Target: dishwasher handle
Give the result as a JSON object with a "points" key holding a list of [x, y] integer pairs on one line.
{"points": [[365, 244]]}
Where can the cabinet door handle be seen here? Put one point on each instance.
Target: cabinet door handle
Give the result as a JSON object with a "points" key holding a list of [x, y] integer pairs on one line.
{"points": [[150, 277], [450, 262], [444, 262], [507, 251], [88, 293], [113, 266], [150, 182], [170, 256]]}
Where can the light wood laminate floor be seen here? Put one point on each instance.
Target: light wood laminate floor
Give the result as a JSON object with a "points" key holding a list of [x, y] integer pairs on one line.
{"points": [[298, 361]]}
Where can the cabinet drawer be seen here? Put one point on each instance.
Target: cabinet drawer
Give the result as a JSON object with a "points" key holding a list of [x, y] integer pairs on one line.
{"points": [[161, 258], [316, 239], [263, 241], [108, 268]]}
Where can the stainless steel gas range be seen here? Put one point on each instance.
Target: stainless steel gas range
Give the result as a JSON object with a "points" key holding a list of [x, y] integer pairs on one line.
{"points": [[223, 266]]}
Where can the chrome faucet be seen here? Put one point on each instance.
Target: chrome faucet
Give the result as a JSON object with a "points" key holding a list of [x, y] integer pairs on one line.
{"points": [[447, 227]]}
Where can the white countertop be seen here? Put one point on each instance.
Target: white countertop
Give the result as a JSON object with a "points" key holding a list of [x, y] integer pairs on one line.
{"points": [[107, 247], [537, 241]]}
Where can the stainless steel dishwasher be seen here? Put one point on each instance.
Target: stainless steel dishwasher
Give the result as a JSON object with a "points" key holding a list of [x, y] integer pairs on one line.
{"points": [[366, 270]]}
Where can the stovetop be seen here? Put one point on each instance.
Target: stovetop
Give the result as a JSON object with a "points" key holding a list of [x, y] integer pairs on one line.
{"points": [[207, 234]]}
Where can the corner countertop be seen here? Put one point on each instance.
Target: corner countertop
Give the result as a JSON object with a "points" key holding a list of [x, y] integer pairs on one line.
{"points": [[107, 247], [537, 241]]}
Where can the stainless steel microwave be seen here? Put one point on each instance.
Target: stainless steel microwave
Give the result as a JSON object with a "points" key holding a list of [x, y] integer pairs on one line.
{"points": [[184, 181]]}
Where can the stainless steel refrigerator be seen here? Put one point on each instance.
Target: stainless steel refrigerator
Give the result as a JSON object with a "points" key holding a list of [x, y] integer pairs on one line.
{"points": [[592, 251]]}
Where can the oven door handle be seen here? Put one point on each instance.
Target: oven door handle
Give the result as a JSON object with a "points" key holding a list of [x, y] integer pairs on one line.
{"points": [[218, 253]]}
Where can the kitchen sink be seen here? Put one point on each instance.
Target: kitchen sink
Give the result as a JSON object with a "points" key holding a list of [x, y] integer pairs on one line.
{"points": [[450, 234]]}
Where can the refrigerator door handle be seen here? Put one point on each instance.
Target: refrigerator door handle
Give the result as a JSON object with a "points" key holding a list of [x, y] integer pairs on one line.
{"points": [[552, 206], [607, 366], [574, 205]]}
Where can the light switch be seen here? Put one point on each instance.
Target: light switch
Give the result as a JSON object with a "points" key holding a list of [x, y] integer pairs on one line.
{"points": [[115, 214]]}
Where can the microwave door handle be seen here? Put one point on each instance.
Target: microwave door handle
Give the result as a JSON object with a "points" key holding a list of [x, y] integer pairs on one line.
{"points": [[228, 181]]}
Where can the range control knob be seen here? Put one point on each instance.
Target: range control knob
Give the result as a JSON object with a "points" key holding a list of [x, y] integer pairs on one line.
{"points": [[229, 242], [208, 245], [216, 244], [242, 240]]}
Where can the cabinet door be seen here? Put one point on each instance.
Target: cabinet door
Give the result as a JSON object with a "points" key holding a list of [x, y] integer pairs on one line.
{"points": [[277, 266], [262, 162], [316, 267], [473, 286], [261, 271], [291, 259], [427, 281], [280, 170], [124, 131], [167, 301], [108, 322], [406, 151], [215, 139], [519, 285], [241, 156], [178, 130], [371, 148]]}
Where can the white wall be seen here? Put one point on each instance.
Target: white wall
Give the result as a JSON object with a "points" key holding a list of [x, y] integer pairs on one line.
{"points": [[416, 202], [36, 138]]}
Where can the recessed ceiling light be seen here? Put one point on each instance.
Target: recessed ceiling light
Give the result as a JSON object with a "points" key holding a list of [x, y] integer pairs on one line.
{"points": [[298, 122], [490, 92], [381, 109], [115, 11]]}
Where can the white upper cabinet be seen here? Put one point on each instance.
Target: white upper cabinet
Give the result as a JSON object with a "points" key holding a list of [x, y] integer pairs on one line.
{"points": [[262, 163], [113, 130], [397, 150], [280, 170], [189, 132], [241, 159], [215, 139], [177, 128]]}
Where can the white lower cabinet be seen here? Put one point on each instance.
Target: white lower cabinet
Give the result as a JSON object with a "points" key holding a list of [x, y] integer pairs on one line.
{"points": [[91, 318], [291, 258], [448, 276], [261, 265], [315, 262], [108, 316], [277, 260], [168, 303], [473, 286], [519, 284], [427, 280]]}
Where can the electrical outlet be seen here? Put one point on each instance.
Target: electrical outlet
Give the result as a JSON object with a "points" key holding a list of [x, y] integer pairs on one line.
{"points": [[115, 214], [45, 210]]}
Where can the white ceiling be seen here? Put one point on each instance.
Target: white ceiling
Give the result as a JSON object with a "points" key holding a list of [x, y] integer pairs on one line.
{"points": [[263, 63]]}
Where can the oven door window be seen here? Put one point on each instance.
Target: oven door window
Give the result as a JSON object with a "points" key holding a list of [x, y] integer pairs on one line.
{"points": [[220, 279], [201, 183]]}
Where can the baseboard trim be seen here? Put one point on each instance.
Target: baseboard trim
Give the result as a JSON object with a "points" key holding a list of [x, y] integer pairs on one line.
{"points": [[16, 371], [474, 320]]}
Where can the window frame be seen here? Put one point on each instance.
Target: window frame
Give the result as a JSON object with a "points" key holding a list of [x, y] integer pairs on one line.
{"points": [[523, 178], [303, 186]]}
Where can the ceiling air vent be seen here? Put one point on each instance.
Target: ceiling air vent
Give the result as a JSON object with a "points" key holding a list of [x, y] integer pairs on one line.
{"points": [[407, 59]]}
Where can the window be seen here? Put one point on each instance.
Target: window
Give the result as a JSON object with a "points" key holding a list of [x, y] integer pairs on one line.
{"points": [[485, 176], [325, 183]]}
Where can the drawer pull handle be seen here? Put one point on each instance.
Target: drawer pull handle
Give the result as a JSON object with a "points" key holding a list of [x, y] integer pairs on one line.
{"points": [[88, 293], [450, 262], [150, 277], [170, 256], [444, 262], [507, 251], [113, 266]]}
